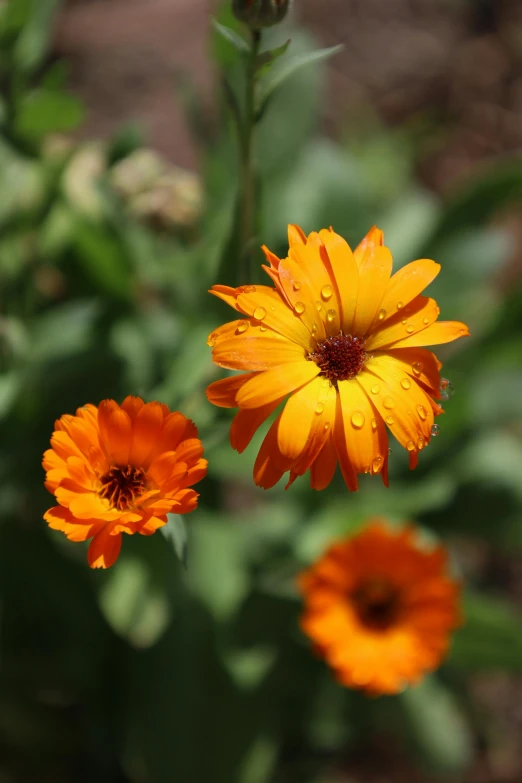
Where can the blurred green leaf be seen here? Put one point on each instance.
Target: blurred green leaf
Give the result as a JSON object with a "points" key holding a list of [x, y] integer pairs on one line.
{"points": [[229, 35], [175, 532], [249, 667], [266, 59], [491, 637], [33, 42], [103, 258], [63, 331], [437, 727], [260, 762], [46, 111]]}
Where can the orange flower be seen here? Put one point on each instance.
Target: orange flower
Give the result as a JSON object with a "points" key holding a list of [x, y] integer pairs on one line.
{"points": [[343, 338], [120, 469], [380, 609]]}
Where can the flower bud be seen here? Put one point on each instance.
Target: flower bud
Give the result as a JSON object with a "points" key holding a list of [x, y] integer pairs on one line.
{"points": [[260, 13]]}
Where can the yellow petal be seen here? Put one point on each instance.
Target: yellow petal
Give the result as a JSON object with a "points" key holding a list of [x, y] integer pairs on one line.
{"points": [[270, 385], [436, 334], [345, 273]]}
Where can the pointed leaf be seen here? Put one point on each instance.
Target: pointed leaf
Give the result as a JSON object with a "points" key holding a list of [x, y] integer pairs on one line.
{"points": [[175, 532], [231, 36]]}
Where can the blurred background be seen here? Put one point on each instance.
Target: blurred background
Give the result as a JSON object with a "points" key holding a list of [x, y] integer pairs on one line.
{"points": [[118, 178]]}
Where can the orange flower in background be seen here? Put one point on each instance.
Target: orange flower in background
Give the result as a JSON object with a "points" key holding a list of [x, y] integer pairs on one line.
{"points": [[344, 339], [121, 469], [380, 608]]}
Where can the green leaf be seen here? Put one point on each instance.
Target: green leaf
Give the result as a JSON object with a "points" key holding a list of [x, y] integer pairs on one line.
{"points": [[437, 726], [175, 532], [231, 36], [491, 638], [103, 258], [266, 59], [46, 111], [291, 66], [33, 43]]}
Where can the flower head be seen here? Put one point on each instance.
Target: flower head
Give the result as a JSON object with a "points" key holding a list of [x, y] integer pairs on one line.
{"points": [[341, 340], [120, 469], [260, 13], [380, 608]]}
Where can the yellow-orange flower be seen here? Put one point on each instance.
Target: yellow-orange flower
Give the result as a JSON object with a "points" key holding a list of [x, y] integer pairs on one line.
{"points": [[121, 469], [344, 339], [380, 608]]}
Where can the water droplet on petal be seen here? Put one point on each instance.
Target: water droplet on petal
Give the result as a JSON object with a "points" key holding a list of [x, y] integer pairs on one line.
{"points": [[435, 430], [358, 420], [314, 329], [263, 328], [388, 403], [410, 329], [382, 315], [417, 368], [319, 306], [326, 292], [376, 388], [212, 339], [421, 410], [272, 307], [319, 408], [331, 315], [410, 445], [405, 383], [425, 321], [297, 285], [446, 389], [299, 307], [374, 424], [420, 444], [389, 420], [242, 327], [259, 313], [377, 464], [404, 321], [326, 426], [400, 305]]}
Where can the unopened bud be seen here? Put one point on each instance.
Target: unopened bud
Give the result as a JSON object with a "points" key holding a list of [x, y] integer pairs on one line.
{"points": [[260, 13]]}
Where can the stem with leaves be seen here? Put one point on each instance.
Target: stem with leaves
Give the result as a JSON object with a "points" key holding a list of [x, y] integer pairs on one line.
{"points": [[246, 206]]}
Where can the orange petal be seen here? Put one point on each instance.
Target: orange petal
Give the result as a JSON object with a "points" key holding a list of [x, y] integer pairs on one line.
{"points": [[185, 501], [297, 281], [223, 393], [373, 239], [279, 316], [436, 334], [190, 450], [227, 294], [339, 440], [104, 549], [166, 466], [89, 506], [408, 283], [273, 384], [146, 427], [257, 348], [176, 428], [63, 445], [246, 423], [152, 524], [297, 418], [345, 273], [321, 427], [364, 431], [105, 409], [270, 463], [296, 235], [406, 411], [132, 406], [420, 364], [374, 275], [411, 319], [323, 467]]}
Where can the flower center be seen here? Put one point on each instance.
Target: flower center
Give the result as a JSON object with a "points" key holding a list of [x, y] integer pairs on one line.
{"points": [[340, 358], [122, 485], [377, 604]]}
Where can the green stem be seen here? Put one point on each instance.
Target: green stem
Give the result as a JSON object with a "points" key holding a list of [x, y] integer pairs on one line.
{"points": [[247, 187]]}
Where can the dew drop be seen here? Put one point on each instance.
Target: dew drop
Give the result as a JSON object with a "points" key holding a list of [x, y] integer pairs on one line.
{"points": [[404, 321], [420, 444], [263, 328], [410, 329], [259, 313], [331, 315], [417, 368], [358, 420], [410, 445], [242, 327], [446, 389], [299, 308], [249, 289], [422, 412], [314, 329], [425, 321], [377, 464], [435, 430], [400, 305], [319, 306], [374, 424], [389, 420], [388, 403], [326, 426], [319, 408], [272, 307], [376, 388], [382, 315], [212, 339], [326, 292], [297, 285], [405, 383]]}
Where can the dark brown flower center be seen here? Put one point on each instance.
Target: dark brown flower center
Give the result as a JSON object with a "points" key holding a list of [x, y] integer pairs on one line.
{"points": [[340, 358], [122, 485], [377, 604]]}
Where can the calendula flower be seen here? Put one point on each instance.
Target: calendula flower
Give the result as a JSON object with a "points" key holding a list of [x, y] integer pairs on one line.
{"points": [[342, 339], [120, 469], [380, 608]]}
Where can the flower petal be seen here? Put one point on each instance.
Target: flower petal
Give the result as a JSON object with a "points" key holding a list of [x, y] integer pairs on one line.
{"points": [[364, 431], [339, 440], [270, 464], [279, 315], [297, 417], [420, 364], [273, 384], [322, 405], [223, 393], [246, 423], [411, 319], [374, 275], [119, 437], [322, 469], [146, 427], [104, 549], [436, 334], [407, 283], [296, 235], [257, 348], [346, 276], [300, 289], [367, 246]]}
